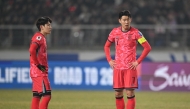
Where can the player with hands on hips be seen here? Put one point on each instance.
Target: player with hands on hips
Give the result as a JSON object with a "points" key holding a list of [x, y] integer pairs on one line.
{"points": [[39, 65], [125, 64]]}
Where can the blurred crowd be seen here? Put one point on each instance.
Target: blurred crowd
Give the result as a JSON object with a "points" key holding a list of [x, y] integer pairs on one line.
{"points": [[100, 12], [94, 11]]}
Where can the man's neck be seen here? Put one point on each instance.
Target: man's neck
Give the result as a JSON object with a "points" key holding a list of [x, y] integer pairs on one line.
{"points": [[125, 30], [43, 34]]}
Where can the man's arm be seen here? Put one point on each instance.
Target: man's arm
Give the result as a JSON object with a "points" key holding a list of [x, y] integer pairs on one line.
{"points": [[146, 50], [107, 53], [107, 50], [33, 52]]}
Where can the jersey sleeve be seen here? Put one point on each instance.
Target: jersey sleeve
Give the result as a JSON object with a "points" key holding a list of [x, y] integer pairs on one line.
{"points": [[140, 38], [111, 37], [144, 43], [34, 47], [33, 53], [37, 40], [107, 50]]}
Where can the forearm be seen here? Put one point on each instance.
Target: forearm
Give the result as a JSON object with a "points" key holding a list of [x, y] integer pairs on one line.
{"points": [[147, 49], [107, 51]]}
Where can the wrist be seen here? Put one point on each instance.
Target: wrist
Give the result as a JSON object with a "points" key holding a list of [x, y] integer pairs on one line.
{"points": [[109, 60], [138, 61]]}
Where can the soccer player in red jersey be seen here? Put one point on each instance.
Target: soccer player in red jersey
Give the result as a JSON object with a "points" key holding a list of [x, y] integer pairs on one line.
{"points": [[125, 63], [39, 65]]}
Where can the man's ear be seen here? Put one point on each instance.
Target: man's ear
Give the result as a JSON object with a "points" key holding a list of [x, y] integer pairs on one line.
{"points": [[41, 27], [119, 20]]}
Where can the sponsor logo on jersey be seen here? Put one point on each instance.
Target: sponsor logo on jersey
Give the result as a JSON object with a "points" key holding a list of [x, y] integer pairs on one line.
{"points": [[38, 37], [140, 33]]}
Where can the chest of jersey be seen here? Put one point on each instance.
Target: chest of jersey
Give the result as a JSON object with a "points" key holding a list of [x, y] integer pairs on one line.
{"points": [[125, 40]]}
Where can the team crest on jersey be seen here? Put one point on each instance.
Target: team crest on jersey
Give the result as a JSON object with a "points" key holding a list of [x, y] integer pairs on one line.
{"points": [[129, 37], [38, 37], [140, 33]]}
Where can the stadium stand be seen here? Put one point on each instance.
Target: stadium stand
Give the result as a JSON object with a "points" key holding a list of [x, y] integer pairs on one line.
{"points": [[164, 23], [95, 11]]}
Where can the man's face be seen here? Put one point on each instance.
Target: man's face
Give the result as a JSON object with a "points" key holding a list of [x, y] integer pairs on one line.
{"points": [[46, 29], [125, 22]]}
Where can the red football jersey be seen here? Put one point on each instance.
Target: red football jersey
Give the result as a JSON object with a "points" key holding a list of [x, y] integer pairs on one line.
{"points": [[41, 54], [125, 45]]}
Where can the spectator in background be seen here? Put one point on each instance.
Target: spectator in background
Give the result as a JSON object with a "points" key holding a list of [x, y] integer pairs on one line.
{"points": [[104, 12], [25, 11]]}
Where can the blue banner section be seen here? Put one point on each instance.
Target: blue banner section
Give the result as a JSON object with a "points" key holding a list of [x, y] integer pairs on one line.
{"points": [[62, 75], [63, 57]]}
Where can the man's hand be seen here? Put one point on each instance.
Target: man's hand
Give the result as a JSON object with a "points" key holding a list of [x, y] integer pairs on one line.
{"points": [[133, 65], [112, 64], [41, 67]]}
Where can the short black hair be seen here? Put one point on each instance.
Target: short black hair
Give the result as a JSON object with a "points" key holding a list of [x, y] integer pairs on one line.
{"points": [[42, 21], [124, 13]]}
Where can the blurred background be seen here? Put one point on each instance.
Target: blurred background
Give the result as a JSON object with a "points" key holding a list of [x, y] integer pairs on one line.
{"points": [[80, 30], [87, 23]]}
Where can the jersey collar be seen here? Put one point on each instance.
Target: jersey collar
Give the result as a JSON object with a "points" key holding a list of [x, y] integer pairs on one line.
{"points": [[126, 30], [41, 34]]}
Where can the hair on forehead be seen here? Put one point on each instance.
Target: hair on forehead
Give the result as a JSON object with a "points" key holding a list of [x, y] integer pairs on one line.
{"points": [[124, 13]]}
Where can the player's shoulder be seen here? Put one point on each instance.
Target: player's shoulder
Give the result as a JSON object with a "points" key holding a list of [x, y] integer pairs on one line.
{"points": [[37, 36], [116, 29], [136, 32], [133, 29]]}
